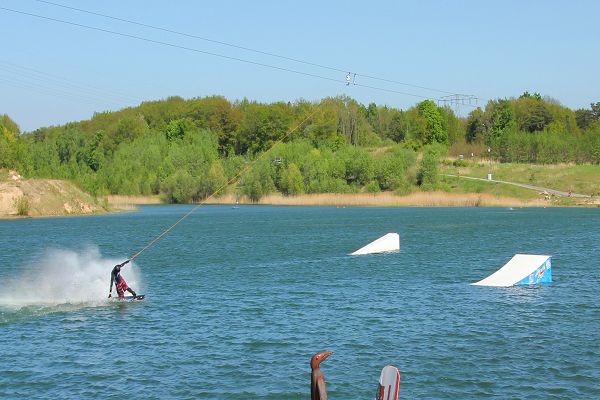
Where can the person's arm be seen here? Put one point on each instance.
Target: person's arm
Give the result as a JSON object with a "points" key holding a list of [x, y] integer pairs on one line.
{"points": [[112, 278], [125, 262]]}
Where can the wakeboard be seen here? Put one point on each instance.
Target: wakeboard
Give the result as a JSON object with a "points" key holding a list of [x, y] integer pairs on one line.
{"points": [[389, 384], [134, 298]]}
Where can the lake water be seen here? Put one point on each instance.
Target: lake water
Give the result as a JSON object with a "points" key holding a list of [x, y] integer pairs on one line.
{"points": [[238, 300]]}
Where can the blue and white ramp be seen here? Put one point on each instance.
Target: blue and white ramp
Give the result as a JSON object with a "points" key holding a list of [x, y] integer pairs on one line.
{"points": [[522, 269], [388, 242]]}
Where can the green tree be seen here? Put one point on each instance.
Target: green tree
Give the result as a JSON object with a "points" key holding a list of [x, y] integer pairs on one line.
{"points": [[262, 126], [427, 176], [180, 187], [502, 121], [258, 182], [214, 182], [178, 128], [390, 169], [292, 182], [595, 108], [9, 132], [527, 95], [435, 125], [129, 128], [322, 129], [398, 126], [359, 165], [532, 113], [94, 152], [585, 118], [220, 116], [475, 130]]}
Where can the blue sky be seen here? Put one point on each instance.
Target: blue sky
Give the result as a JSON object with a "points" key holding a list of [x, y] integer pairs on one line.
{"points": [[52, 73]]}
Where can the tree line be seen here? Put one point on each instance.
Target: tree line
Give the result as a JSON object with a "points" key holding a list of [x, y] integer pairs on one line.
{"points": [[186, 150], [532, 129]]}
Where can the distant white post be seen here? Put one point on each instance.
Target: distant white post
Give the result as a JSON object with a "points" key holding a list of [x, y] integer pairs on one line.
{"points": [[489, 177]]}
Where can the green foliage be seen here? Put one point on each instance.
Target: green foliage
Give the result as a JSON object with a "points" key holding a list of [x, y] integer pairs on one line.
{"points": [[595, 108], [214, 182], [187, 149], [262, 126], [180, 187], [527, 95], [372, 187], [502, 121], [359, 165], [391, 168], [218, 115], [8, 128], [427, 177], [587, 118], [322, 131], [94, 154], [460, 163], [292, 182], [436, 130], [22, 206], [9, 132], [397, 127], [591, 143], [258, 182], [130, 128], [178, 128], [233, 166], [454, 125], [532, 114]]}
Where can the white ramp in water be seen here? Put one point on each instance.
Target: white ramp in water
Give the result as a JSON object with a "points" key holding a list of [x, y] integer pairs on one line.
{"points": [[522, 269], [388, 242]]}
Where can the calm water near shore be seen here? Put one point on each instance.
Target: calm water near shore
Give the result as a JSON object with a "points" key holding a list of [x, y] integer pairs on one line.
{"points": [[238, 300]]}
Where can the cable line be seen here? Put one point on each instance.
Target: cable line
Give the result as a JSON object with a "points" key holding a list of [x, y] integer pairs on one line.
{"points": [[240, 47], [206, 52]]}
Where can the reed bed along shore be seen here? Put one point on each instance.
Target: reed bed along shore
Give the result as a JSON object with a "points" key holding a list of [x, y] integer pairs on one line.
{"points": [[418, 199], [126, 203]]}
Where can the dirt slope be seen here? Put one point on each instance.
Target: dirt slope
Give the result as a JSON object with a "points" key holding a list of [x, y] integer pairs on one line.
{"points": [[43, 197]]}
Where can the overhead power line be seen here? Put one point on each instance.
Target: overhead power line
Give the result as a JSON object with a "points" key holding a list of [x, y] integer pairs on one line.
{"points": [[50, 81], [22, 84], [209, 53], [337, 69]]}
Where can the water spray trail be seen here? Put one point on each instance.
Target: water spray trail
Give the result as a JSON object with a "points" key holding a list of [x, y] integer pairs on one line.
{"points": [[64, 276]]}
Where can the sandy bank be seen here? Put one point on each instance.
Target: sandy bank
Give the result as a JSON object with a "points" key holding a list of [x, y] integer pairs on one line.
{"points": [[43, 197]]}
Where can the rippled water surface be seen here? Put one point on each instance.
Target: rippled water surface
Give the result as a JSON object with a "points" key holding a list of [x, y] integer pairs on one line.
{"points": [[238, 300]]}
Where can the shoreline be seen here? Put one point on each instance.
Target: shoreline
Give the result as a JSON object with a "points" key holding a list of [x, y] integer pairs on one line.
{"points": [[123, 204], [384, 199]]}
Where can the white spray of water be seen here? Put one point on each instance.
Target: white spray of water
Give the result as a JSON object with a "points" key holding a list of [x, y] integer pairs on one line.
{"points": [[65, 277]]}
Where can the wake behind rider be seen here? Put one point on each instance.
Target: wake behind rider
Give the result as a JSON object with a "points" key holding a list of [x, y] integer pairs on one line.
{"points": [[121, 285]]}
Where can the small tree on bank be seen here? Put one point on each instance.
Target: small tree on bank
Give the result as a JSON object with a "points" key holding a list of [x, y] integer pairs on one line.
{"points": [[427, 177]]}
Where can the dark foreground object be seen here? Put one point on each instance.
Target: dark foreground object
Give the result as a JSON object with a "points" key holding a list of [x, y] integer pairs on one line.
{"points": [[318, 388]]}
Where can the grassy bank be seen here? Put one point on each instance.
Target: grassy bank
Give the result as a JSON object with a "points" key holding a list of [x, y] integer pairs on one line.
{"points": [[584, 179]]}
